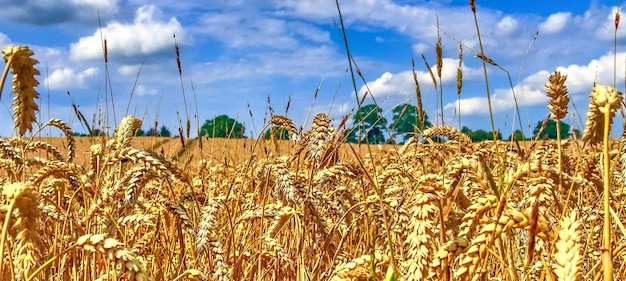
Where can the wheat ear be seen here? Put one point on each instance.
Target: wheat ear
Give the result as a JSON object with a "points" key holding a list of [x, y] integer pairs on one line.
{"points": [[24, 83], [568, 255], [23, 198], [115, 251]]}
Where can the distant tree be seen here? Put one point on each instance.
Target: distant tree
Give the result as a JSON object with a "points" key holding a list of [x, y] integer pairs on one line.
{"points": [[94, 133], [165, 132], [162, 132], [369, 125], [139, 132], [480, 134], [277, 132], [549, 132], [222, 127], [517, 135], [406, 121]]}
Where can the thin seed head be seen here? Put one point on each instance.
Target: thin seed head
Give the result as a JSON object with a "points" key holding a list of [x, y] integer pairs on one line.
{"points": [[459, 72]]}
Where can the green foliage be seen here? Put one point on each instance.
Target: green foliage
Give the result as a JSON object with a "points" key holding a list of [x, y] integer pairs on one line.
{"points": [[95, 133], [369, 125], [480, 134], [277, 132], [161, 132], [406, 121], [222, 127], [517, 135], [549, 132]]}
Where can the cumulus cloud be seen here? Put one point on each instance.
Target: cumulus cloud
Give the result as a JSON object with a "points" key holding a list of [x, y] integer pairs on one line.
{"points": [[4, 40], [502, 100], [506, 27], [555, 23], [606, 30], [580, 79], [67, 78], [142, 90], [147, 35], [403, 83]]}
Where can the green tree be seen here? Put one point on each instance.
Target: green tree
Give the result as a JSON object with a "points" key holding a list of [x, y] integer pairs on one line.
{"points": [[406, 120], [369, 125], [165, 132], [549, 131], [480, 134], [222, 127], [277, 132], [517, 135], [139, 132], [161, 132]]}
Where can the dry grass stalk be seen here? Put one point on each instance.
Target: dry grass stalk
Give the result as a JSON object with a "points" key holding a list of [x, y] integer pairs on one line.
{"points": [[24, 83]]}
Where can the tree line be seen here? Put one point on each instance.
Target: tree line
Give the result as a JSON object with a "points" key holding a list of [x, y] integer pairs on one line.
{"points": [[369, 126]]}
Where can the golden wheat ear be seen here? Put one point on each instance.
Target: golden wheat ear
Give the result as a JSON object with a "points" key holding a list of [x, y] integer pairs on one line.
{"points": [[19, 59]]}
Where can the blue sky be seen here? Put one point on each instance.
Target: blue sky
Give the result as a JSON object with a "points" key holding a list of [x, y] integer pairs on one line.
{"points": [[236, 54]]}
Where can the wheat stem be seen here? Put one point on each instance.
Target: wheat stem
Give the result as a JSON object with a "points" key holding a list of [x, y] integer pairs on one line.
{"points": [[5, 73], [607, 259]]}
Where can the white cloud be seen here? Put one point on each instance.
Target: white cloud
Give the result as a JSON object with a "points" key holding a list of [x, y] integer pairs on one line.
{"points": [[606, 30], [129, 69], [506, 27], [4, 40], [580, 79], [148, 34], [555, 23], [501, 100], [67, 78], [142, 90], [420, 48], [403, 83]]}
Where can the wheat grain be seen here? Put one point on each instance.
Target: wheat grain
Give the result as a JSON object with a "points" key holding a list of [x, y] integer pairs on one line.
{"points": [[557, 92], [568, 257], [19, 58], [24, 199], [114, 251], [284, 121], [602, 99]]}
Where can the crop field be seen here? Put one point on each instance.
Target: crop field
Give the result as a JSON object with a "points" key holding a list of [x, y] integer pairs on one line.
{"points": [[438, 207]]}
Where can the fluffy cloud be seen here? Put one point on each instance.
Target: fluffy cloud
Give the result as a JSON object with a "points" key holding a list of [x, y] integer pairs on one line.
{"points": [[142, 90], [147, 35], [403, 83], [4, 40], [67, 78], [580, 79], [506, 27], [501, 100], [555, 23]]}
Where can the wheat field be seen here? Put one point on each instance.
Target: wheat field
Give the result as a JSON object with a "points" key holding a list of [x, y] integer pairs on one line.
{"points": [[438, 207]]}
